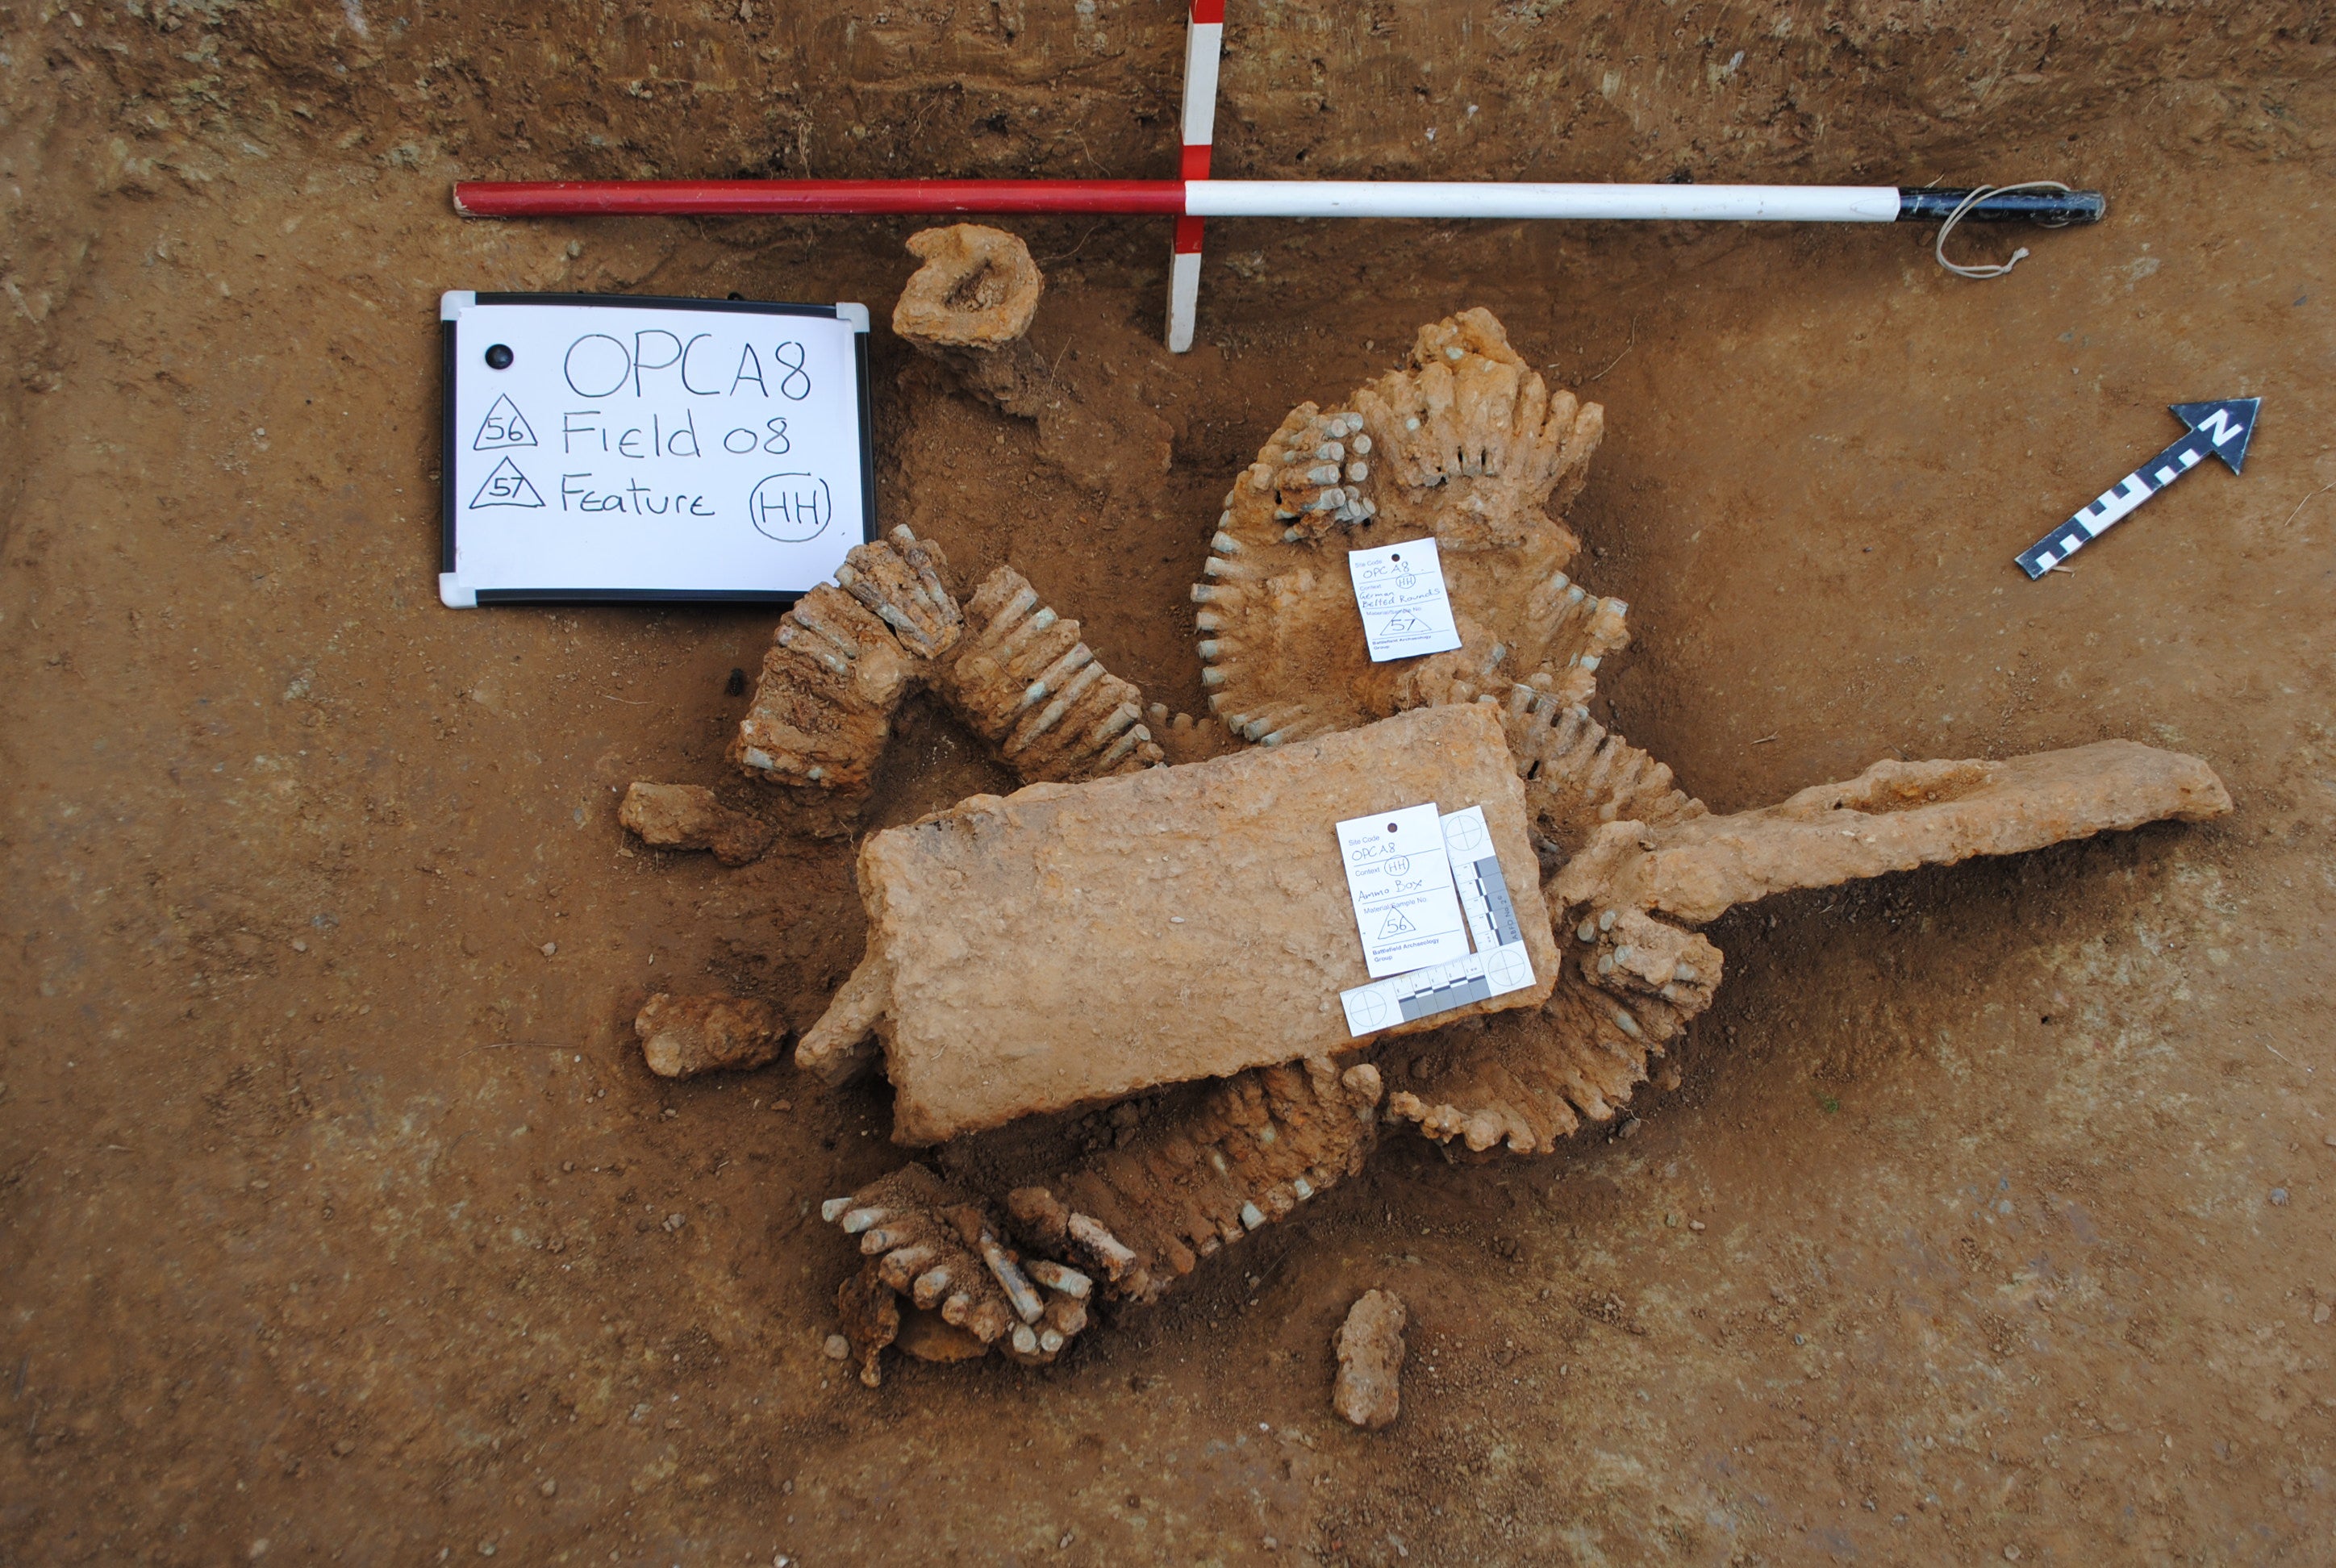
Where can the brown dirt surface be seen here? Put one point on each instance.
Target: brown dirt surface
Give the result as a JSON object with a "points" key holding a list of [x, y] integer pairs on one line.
{"points": [[341, 1219]]}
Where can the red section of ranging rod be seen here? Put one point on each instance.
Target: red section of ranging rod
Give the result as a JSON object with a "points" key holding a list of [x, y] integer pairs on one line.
{"points": [[1188, 230], [716, 198]]}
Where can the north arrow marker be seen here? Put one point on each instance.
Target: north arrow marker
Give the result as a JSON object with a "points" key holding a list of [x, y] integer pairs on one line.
{"points": [[2216, 429]]}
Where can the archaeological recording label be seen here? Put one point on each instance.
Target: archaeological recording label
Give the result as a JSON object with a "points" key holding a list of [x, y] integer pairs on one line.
{"points": [[615, 447], [1500, 963], [1399, 589], [1400, 879]]}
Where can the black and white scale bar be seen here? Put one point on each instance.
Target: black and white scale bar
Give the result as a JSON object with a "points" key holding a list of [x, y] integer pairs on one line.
{"points": [[1455, 993], [2217, 430], [1493, 888]]}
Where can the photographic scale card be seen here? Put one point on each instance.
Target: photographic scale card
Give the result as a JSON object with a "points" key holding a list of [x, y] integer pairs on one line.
{"points": [[603, 447], [1399, 589], [1499, 965]]}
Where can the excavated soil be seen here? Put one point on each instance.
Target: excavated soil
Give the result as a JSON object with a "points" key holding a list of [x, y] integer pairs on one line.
{"points": [[341, 1220]]}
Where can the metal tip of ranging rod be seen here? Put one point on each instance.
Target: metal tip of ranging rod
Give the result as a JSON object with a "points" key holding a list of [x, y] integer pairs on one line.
{"points": [[2052, 209]]}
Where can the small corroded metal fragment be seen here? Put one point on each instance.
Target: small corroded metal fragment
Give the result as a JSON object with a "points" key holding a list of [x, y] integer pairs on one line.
{"points": [[1369, 1391], [692, 817], [682, 1037], [977, 289]]}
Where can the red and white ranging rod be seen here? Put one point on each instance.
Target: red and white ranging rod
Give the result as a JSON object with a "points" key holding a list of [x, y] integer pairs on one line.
{"points": [[1204, 43], [1269, 198], [1195, 198]]}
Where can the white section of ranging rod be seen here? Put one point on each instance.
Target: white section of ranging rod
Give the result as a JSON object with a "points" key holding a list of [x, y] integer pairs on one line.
{"points": [[1203, 45], [1183, 298], [1489, 199]]}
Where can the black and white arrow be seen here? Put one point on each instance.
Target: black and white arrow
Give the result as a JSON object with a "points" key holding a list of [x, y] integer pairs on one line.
{"points": [[2217, 429]]}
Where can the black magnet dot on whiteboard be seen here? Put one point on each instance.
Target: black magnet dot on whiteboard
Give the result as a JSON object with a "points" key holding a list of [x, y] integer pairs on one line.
{"points": [[499, 357]]}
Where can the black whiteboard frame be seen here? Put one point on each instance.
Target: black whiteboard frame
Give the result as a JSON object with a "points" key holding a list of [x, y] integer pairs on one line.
{"points": [[449, 443]]}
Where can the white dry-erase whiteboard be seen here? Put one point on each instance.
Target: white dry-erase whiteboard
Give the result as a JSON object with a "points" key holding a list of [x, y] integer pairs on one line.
{"points": [[607, 447]]}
